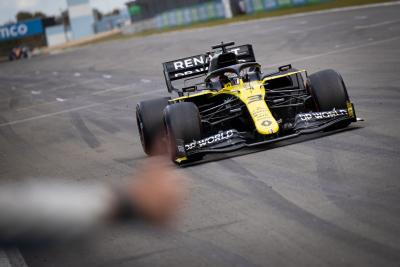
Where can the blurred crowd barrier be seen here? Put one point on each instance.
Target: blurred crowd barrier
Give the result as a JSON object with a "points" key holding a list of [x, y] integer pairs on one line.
{"points": [[252, 6], [189, 15], [210, 11]]}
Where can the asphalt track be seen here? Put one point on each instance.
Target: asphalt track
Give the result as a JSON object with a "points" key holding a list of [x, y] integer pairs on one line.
{"points": [[330, 200]]}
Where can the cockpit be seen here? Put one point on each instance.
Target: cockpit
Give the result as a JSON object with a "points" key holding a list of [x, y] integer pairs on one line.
{"points": [[225, 68], [247, 72]]}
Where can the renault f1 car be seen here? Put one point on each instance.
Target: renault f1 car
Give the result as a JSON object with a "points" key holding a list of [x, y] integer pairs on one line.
{"points": [[234, 105]]}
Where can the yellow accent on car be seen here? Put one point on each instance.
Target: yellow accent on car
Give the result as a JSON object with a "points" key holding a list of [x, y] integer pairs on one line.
{"points": [[180, 160], [252, 94], [282, 75], [350, 110], [205, 92]]}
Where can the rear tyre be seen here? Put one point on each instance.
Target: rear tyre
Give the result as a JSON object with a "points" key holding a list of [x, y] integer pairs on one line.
{"points": [[149, 117], [329, 92], [183, 125]]}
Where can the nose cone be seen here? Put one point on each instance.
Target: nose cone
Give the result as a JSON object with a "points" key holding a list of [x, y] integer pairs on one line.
{"points": [[253, 96]]}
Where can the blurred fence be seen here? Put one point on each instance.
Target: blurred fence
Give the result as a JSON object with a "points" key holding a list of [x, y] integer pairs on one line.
{"points": [[252, 6], [189, 15], [209, 11], [180, 16], [108, 23]]}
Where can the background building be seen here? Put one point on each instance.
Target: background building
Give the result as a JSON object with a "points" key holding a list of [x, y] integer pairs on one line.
{"points": [[81, 18]]}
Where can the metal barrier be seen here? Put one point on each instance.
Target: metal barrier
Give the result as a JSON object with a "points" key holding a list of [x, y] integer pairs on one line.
{"points": [[209, 11], [252, 6], [189, 15]]}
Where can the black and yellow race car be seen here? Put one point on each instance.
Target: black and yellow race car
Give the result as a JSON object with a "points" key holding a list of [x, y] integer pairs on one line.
{"points": [[230, 104]]}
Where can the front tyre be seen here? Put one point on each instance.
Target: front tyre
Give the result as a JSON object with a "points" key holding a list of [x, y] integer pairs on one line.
{"points": [[149, 117], [183, 125], [329, 92]]}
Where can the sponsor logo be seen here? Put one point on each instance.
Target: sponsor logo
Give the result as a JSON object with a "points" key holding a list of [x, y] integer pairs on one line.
{"points": [[181, 66], [254, 98], [21, 29], [200, 70], [260, 113], [190, 62], [181, 149], [13, 31], [266, 123], [322, 115], [214, 139]]}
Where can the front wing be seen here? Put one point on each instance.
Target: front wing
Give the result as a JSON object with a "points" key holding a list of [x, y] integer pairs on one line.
{"points": [[231, 140]]}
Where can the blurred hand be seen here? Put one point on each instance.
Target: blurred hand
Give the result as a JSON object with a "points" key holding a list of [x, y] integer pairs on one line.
{"points": [[158, 191]]}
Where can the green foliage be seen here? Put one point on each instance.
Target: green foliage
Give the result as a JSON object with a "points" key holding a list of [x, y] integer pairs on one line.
{"points": [[135, 10], [25, 15]]}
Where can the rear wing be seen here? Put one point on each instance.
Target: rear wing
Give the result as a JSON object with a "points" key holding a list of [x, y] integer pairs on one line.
{"points": [[197, 65]]}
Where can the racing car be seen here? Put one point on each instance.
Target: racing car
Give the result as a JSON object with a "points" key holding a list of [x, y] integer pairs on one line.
{"points": [[225, 102]]}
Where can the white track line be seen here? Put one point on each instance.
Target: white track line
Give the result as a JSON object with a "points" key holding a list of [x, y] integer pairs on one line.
{"points": [[65, 86], [59, 99], [36, 105], [360, 17], [122, 87], [360, 27], [334, 51], [77, 108], [309, 29]]}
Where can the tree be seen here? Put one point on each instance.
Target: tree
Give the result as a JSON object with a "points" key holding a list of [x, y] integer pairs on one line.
{"points": [[25, 15], [39, 14]]}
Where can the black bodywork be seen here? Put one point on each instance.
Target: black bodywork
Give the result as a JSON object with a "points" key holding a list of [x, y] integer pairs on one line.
{"points": [[299, 103]]}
